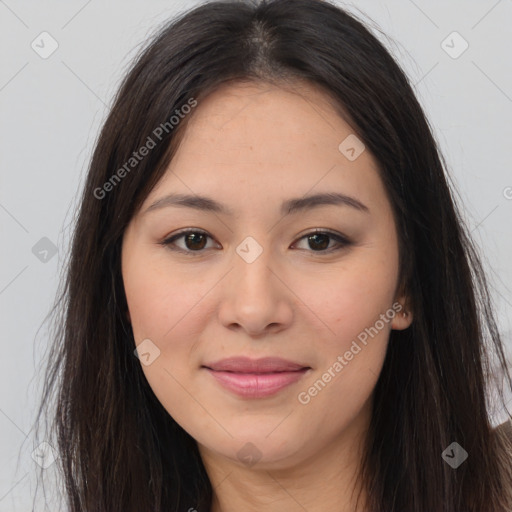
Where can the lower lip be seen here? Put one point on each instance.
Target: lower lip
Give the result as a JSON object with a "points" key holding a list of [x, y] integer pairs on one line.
{"points": [[256, 385]]}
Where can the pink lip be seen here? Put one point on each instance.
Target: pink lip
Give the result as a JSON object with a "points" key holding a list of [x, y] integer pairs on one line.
{"points": [[256, 378]]}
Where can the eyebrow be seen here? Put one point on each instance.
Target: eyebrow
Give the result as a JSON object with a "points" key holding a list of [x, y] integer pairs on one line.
{"points": [[288, 207]]}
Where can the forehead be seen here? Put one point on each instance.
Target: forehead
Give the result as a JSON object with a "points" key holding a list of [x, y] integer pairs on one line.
{"points": [[242, 114], [264, 141]]}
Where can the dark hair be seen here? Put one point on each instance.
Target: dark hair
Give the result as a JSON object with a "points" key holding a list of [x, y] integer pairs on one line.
{"points": [[119, 448]]}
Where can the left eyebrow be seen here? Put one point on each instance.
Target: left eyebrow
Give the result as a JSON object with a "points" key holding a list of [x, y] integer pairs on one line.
{"points": [[292, 206], [288, 207]]}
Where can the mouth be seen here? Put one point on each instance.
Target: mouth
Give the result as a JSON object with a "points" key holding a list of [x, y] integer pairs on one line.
{"points": [[256, 378]]}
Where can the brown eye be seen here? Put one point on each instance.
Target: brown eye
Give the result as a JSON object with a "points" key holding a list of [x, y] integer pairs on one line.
{"points": [[318, 241], [193, 241]]}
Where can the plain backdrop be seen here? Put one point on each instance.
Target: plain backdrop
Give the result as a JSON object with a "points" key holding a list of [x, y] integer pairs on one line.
{"points": [[52, 108]]}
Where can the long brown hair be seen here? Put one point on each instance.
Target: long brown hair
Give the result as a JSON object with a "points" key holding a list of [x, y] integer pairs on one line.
{"points": [[119, 448]]}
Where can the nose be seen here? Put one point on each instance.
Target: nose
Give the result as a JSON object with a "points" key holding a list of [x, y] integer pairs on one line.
{"points": [[255, 296]]}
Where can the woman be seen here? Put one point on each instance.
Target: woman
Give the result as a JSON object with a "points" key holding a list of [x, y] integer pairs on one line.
{"points": [[272, 303]]}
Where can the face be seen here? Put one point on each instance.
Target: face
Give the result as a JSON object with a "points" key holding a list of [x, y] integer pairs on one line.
{"points": [[260, 271]]}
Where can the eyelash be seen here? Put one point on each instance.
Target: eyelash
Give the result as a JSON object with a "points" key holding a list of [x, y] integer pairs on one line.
{"points": [[341, 240]]}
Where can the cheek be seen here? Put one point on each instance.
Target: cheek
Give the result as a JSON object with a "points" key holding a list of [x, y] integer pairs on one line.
{"points": [[161, 303], [351, 298], [355, 309], [167, 309]]}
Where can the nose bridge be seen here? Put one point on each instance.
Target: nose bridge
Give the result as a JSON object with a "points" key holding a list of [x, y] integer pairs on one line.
{"points": [[252, 264], [256, 298]]}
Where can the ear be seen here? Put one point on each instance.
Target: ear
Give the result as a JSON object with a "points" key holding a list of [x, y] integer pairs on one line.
{"points": [[404, 315]]}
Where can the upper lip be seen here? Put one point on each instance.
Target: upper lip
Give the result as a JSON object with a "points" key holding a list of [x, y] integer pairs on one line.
{"points": [[248, 365]]}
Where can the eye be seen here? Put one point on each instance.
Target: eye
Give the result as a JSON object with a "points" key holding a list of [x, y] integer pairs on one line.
{"points": [[195, 241], [319, 241]]}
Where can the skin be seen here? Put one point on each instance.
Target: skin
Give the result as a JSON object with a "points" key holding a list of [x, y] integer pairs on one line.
{"points": [[251, 146]]}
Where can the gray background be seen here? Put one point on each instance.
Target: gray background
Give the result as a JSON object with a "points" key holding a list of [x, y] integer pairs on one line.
{"points": [[51, 110]]}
